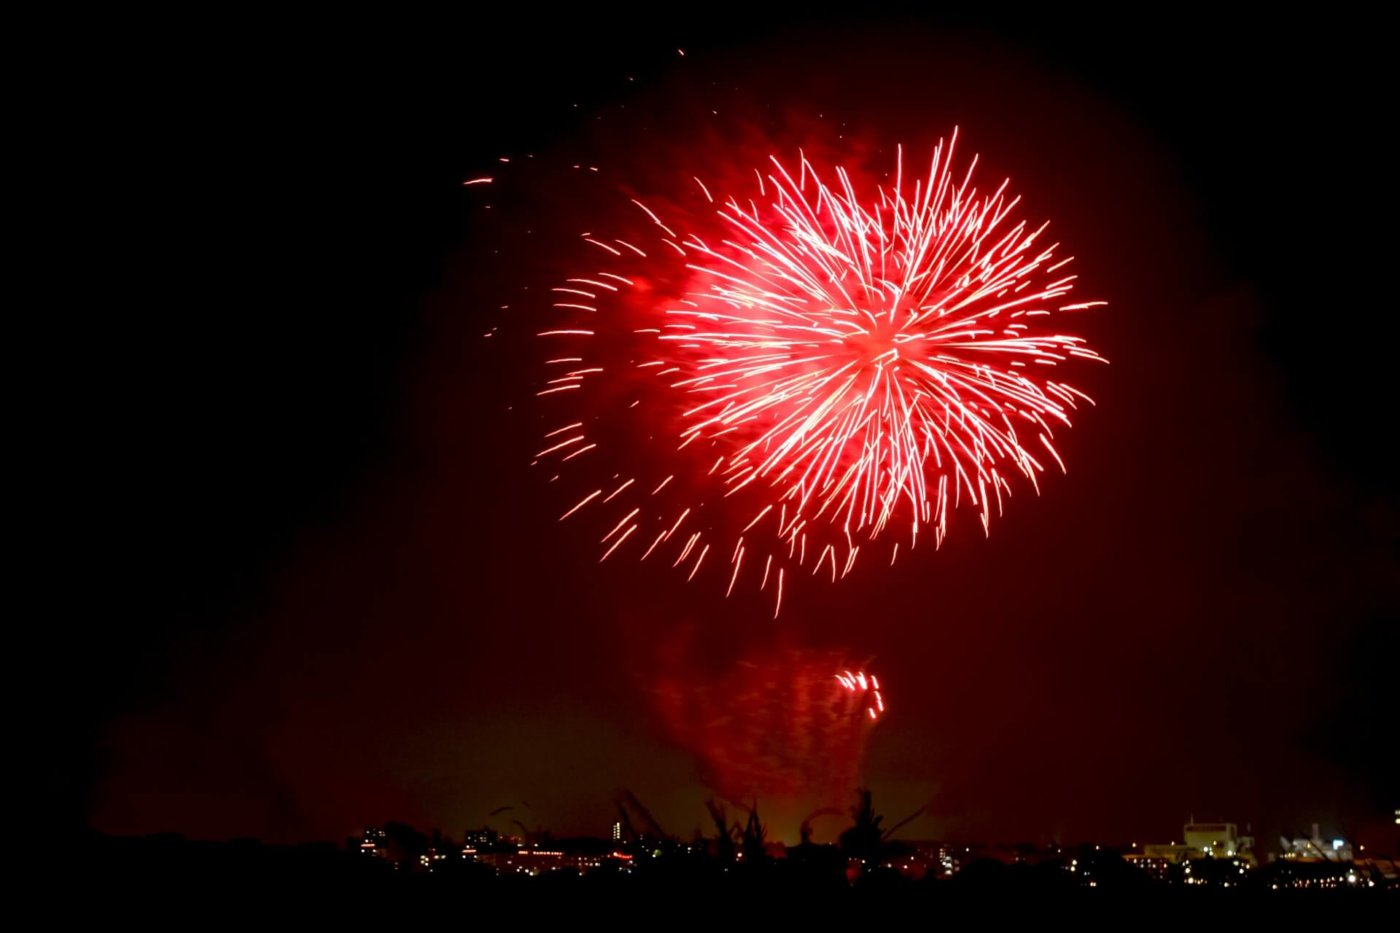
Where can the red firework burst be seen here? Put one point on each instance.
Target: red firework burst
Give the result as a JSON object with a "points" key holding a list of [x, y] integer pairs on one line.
{"points": [[811, 372]]}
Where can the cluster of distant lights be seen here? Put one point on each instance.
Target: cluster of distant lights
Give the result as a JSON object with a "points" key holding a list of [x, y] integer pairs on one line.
{"points": [[534, 862], [921, 862], [1332, 882], [1197, 880]]}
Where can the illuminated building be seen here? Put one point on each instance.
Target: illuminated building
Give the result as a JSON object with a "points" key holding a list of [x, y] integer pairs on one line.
{"points": [[1215, 840], [1199, 840], [1315, 848], [617, 831]]}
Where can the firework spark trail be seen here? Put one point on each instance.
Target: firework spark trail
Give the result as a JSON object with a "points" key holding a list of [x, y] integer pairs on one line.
{"points": [[861, 683], [858, 366]]}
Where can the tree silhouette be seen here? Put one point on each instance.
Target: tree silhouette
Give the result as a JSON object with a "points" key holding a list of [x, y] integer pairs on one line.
{"points": [[864, 838]]}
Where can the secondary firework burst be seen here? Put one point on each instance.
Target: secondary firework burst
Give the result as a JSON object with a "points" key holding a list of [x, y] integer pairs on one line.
{"points": [[810, 372], [782, 724], [868, 686]]}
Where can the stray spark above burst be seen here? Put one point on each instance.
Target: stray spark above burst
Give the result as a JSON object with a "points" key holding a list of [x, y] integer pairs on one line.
{"points": [[787, 379]]}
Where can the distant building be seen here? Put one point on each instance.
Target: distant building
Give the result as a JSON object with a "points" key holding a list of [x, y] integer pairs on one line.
{"points": [[1199, 840], [1215, 840], [1171, 853], [481, 839], [617, 831], [1316, 848], [374, 843], [524, 861]]}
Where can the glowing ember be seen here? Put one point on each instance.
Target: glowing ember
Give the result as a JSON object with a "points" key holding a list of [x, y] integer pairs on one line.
{"points": [[807, 373]]}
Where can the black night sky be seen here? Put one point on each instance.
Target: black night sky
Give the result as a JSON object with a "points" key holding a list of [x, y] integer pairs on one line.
{"points": [[308, 582]]}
